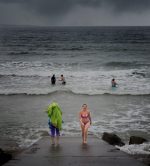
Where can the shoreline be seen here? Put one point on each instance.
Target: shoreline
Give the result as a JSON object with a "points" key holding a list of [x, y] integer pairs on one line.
{"points": [[95, 148], [24, 119], [143, 158], [69, 92]]}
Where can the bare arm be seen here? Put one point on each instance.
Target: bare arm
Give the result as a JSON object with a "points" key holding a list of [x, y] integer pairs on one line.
{"points": [[90, 118], [80, 118]]}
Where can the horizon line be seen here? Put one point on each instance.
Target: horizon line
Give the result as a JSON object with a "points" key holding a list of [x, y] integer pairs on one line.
{"points": [[74, 25]]}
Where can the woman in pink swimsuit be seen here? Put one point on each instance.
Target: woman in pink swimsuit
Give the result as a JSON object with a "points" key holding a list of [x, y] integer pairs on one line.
{"points": [[85, 121]]}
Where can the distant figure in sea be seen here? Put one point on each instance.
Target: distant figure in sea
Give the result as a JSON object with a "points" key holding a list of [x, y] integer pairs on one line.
{"points": [[113, 83], [62, 79], [55, 122], [53, 79], [85, 121]]}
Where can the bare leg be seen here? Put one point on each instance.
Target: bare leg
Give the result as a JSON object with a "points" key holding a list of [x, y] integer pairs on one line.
{"points": [[53, 140], [84, 135], [57, 140], [85, 140], [85, 131], [82, 128]]}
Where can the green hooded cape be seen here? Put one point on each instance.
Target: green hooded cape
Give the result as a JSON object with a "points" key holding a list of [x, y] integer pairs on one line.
{"points": [[55, 114]]}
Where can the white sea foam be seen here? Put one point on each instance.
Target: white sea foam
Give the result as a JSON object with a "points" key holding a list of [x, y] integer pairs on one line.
{"points": [[136, 149], [79, 82]]}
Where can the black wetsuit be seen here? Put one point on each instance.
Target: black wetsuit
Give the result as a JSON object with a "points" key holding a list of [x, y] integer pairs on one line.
{"points": [[53, 80]]}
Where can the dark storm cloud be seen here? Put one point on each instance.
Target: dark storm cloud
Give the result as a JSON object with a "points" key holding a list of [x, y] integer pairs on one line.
{"points": [[51, 7], [12, 1], [129, 5], [84, 12], [58, 7]]}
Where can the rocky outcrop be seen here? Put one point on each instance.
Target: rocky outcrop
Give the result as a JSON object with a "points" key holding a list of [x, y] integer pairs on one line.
{"points": [[136, 140], [112, 139], [4, 157]]}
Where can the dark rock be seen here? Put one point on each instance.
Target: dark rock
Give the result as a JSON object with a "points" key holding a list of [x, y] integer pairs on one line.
{"points": [[4, 157], [112, 139], [136, 140]]}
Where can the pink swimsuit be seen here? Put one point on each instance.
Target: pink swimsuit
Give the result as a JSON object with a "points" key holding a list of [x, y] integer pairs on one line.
{"points": [[85, 116]]}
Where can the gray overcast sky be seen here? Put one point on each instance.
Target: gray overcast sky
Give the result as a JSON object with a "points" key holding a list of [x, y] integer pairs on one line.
{"points": [[75, 12]]}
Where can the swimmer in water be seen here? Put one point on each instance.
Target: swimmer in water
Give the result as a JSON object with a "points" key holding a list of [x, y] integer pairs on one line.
{"points": [[62, 79], [53, 79], [113, 83]]}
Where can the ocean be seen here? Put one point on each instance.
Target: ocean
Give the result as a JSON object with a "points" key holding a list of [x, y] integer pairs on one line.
{"points": [[88, 57]]}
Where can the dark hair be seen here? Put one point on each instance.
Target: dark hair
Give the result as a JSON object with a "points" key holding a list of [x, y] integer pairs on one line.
{"points": [[84, 104]]}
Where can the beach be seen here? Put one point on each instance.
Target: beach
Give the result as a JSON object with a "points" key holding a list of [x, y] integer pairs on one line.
{"points": [[89, 58], [24, 121], [95, 153]]}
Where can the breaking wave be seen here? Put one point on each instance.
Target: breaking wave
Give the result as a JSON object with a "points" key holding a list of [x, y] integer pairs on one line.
{"points": [[73, 92]]}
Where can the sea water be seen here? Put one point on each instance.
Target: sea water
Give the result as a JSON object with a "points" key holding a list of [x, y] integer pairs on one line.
{"points": [[88, 57]]}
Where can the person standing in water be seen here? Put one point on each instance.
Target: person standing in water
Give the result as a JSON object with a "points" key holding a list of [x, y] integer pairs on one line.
{"points": [[113, 83], [55, 122], [53, 79], [62, 79], [85, 121]]}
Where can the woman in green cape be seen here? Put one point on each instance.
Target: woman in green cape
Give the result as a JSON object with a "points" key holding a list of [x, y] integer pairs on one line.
{"points": [[55, 121]]}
